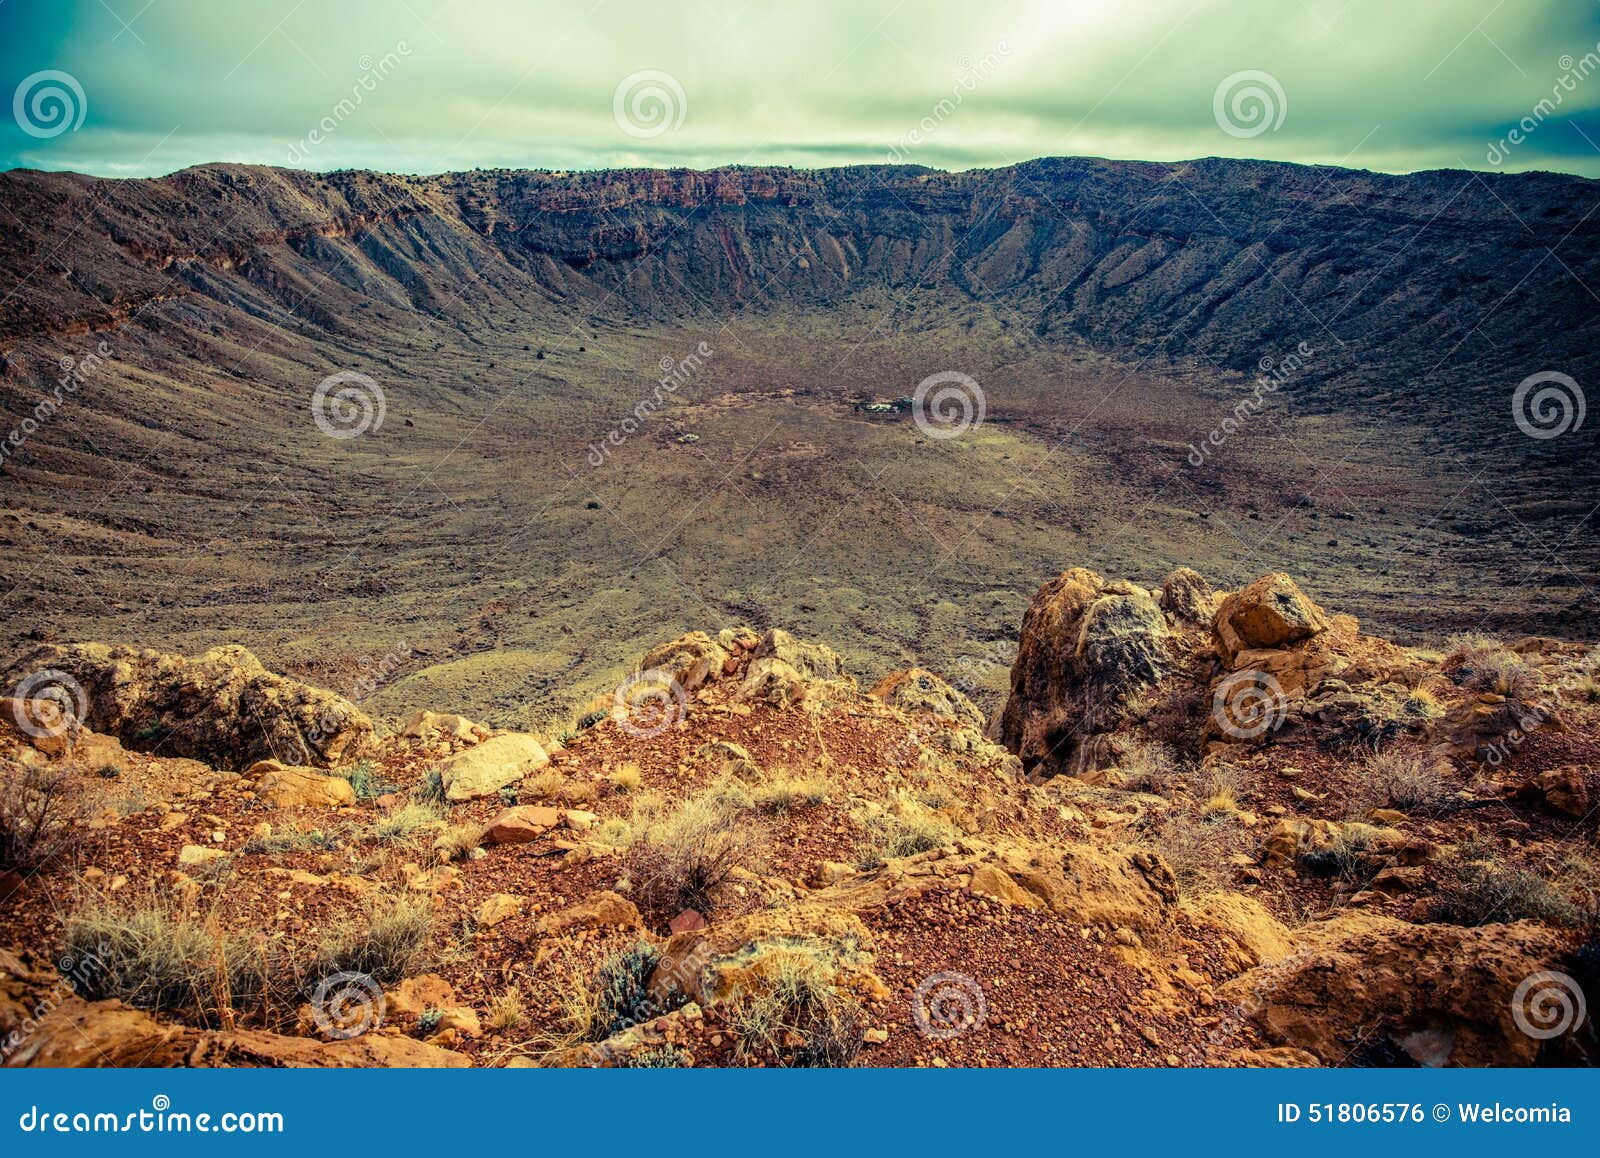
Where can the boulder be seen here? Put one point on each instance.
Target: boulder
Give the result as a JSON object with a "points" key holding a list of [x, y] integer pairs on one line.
{"points": [[1088, 650], [920, 692], [596, 910], [284, 786], [1270, 613], [521, 825], [1188, 599], [222, 707], [690, 660], [1363, 988], [426, 725], [486, 768], [497, 908]]}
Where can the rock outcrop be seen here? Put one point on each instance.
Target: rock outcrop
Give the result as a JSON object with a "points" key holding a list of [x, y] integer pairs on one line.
{"points": [[222, 707]]}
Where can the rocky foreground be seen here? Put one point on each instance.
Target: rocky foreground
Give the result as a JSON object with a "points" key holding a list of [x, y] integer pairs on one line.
{"points": [[1206, 828]]}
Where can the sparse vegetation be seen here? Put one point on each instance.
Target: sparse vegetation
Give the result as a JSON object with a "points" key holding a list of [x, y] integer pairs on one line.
{"points": [[457, 841], [1344, 857], [364, 780], [1147, 766], [626, 777], [41, 810], [788, 793], [798, 1017], [678, 861], [506, 1010], [405, 823], [285, 840], [621, 993], [1197, 852], [544, 786], [905, 830], [387, 940], [1481, 892], [1412, 781]]}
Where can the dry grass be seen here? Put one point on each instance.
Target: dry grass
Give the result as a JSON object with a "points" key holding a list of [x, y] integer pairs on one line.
{"points": [[507, 1010], [387, 939], [790, 792], [546, 785], [457, 841], [678, 860], [627, 778], [1147, 766], [404, 824], [1197, 852], [1410, 781], [797, 1017], [1478, 892], [41, 814], [905, 829], [1222, 793]]}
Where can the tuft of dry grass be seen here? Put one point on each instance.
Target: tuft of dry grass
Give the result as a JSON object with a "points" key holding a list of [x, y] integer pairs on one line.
{"points": [[907, 828], [627, 777], [457, 841], [797, 1016], [405, 823], [1147, 766], [789, 793], [506, 1010], [546, 785], [387, 940], [678, 860]]}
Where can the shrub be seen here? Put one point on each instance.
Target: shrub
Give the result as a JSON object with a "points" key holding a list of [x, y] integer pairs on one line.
{"points": [[41, 816], [1484, 893], [1146, 766], [679, 860], [1345, 858], [388, 941], [1197, 852], [798, 1016], [661, 1057], [1222, 793], [627, 778], [1410, 781], [789, 793]]}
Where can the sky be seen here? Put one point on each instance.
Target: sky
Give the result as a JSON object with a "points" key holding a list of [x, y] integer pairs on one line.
{"points": [[144, 87]]}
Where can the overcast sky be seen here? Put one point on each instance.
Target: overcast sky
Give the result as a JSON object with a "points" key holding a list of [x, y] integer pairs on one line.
{"points": [[137, 87]]}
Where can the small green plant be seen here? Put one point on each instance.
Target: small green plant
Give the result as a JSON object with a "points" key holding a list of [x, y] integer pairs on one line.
{"points": [[622, 991], [590, 719], [428, 1020], [661, 1057], [365, 781], [108, 771], [431, 789]]}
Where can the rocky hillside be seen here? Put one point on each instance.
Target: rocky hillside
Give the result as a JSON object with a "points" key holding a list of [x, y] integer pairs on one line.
{"points": [[1206, 828]]}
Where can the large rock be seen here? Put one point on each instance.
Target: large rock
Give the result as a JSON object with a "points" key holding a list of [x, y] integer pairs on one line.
{"points": [[521, 824], [283, 786], [1365, 989], [222, 707], [920, 692], [1270, 613], [84, 1034], [490, 766], [1088, 649]]}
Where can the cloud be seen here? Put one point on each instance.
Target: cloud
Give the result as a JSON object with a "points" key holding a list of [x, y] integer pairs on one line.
{"points": [[430, 85]]}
